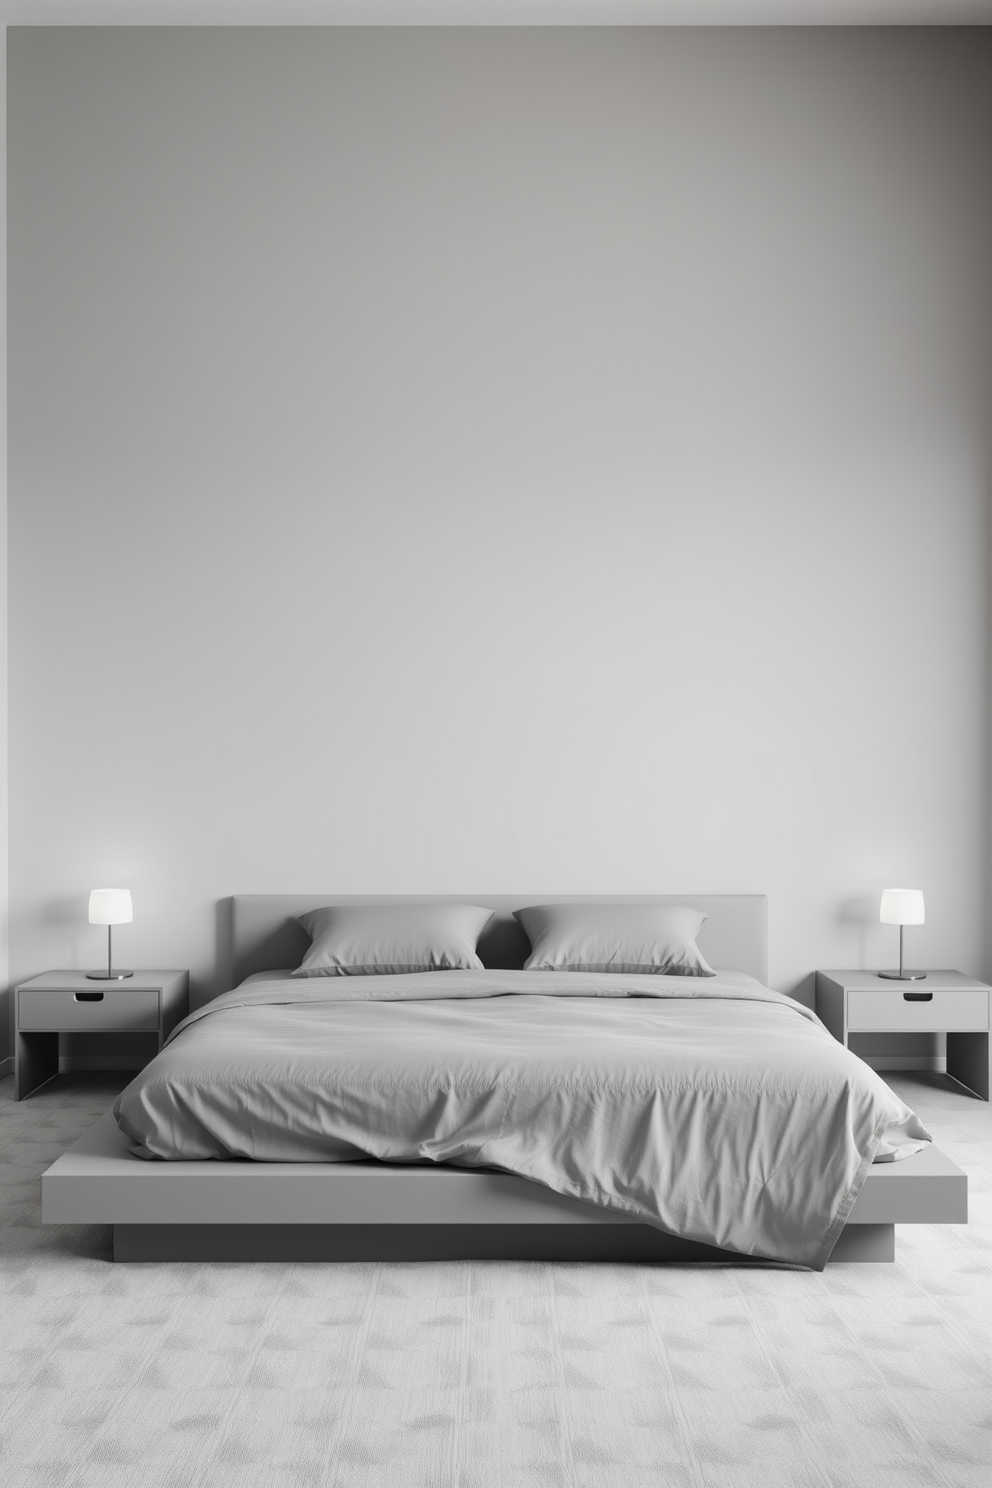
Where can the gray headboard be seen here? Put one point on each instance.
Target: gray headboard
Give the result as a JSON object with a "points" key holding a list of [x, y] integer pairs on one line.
{"points": [[265, 934]]}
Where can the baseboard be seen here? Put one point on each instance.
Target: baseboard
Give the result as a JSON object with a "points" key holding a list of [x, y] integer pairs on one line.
{"points": [[7, 1066], [934, 1062], [104, 1062]]}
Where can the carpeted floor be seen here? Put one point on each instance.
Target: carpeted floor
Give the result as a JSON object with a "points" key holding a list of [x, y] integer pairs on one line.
{"points": [[490, 1375]]}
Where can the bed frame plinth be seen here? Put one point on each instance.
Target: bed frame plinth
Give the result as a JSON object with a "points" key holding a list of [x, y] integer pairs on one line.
{"points": [[865, 1242], [441, 1242]]}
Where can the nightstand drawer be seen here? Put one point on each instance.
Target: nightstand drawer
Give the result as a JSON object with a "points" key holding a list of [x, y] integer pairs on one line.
{"points": [[101, 1010], [892, 1011]]}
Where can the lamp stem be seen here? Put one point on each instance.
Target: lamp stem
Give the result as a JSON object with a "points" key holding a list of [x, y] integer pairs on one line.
{"points": [[900, 952], [110, 958]]}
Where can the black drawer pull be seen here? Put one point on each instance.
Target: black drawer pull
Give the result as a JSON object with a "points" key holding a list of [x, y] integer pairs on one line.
{"points": [[917, 997], [88, 996]]}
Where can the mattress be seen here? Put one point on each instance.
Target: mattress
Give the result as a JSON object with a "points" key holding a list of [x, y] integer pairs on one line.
{"points": [[714, 1108]]}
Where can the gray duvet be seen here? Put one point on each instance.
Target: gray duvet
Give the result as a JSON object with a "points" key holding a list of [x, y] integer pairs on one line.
{"points": [[713, 1108]]}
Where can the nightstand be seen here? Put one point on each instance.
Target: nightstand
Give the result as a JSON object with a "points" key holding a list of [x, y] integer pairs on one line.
{"points": [[68, 1002], [945, 1002]]}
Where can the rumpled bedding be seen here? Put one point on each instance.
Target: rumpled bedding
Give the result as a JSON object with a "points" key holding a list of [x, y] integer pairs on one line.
{"points": [[715, 1109]]}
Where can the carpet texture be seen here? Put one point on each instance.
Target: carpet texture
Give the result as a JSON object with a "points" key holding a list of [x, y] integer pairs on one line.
{"points": [[489, 1375]]}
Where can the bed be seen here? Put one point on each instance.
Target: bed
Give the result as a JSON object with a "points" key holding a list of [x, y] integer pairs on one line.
{"points": [[497, 1203]]}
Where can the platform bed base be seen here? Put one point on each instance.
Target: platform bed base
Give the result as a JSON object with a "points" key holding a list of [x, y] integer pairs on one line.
{"points": [[233, 1211], [446, 1242]]}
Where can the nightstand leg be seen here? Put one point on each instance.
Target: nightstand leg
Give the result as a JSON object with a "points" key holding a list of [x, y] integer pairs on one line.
{"points": [[968, 1061], [36, 1059]]}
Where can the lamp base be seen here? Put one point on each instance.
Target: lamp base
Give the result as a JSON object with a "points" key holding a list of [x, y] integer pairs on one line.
{"points": [[903, 976], [109, 976]]}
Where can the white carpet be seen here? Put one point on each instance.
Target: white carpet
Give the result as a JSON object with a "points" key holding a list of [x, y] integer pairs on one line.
{"points": [[490, 1375]]}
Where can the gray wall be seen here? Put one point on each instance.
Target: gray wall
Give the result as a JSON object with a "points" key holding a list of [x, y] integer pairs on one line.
{"points": [[542, 461]]}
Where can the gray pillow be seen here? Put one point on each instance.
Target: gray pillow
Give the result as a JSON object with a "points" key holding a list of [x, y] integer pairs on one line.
{"points": [[377, 939], [644, 938]]}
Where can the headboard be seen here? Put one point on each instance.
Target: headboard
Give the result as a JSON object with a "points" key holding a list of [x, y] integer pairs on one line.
{"points": [[265, 934]]}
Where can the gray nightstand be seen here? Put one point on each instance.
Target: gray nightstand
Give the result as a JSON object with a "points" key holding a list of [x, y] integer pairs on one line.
{"points": [[945, 1002], [68, 1002]]}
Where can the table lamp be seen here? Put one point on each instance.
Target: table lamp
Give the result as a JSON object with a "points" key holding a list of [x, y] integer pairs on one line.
{"points": [[110, 907], [902, 907]]}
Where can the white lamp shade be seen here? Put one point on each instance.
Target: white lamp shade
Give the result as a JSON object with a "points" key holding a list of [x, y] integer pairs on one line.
{"points": [[110, 907], [901, 907]]}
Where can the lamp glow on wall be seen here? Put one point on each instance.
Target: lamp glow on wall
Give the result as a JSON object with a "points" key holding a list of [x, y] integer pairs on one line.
{"points": [[902, 907], [110, 907]]}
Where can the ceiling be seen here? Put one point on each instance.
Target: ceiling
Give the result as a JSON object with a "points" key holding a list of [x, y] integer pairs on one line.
{"points": [[493, 12]]}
